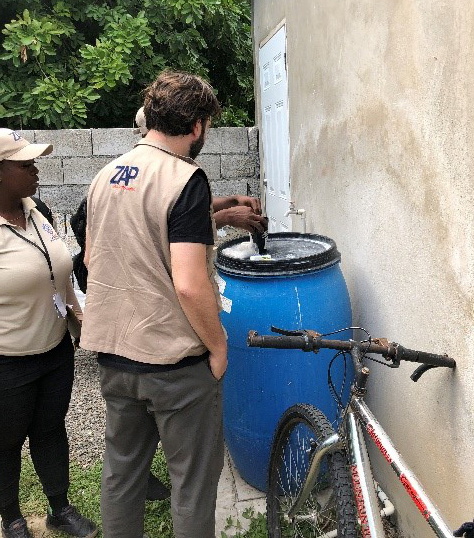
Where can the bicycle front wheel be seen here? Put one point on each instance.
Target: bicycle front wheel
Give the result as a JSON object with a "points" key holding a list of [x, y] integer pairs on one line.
{"points": [[329, 509]]}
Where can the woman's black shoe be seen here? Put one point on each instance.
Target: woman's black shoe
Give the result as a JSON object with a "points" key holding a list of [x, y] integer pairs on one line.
{"points": [[16, 529], [70, 521]]}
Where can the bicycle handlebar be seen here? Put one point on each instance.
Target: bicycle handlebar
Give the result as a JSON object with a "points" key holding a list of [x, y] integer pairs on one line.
{"points": [[429, 359], [310, 341]]}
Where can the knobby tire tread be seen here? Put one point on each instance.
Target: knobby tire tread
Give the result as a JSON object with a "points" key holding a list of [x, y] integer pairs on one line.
{"points": [[340, 477]]}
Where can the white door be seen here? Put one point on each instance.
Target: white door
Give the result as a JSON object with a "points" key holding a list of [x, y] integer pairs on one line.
{"points": [[275, 130]]}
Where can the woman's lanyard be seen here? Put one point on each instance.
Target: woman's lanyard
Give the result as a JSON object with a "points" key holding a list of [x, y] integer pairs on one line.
{"points": [[57, 299]]}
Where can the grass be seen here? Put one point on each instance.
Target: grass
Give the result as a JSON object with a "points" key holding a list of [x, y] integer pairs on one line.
{"points": [[84, 493]]}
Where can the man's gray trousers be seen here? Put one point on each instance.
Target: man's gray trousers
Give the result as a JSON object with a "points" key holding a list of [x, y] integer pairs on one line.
{"points": [[185, 407]]}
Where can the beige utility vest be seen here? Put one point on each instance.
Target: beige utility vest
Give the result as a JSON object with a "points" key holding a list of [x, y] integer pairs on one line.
{"points": [[131, 305]]}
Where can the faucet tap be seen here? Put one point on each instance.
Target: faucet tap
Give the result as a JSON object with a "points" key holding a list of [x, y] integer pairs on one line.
{"points": [[301, 212], [291, 210]]}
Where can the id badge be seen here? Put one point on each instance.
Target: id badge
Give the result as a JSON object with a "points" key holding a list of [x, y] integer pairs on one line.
{"points": [[59, 305]]}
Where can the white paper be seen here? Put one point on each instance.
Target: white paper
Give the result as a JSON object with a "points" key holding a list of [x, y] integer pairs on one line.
{"points": [[59, 305]]}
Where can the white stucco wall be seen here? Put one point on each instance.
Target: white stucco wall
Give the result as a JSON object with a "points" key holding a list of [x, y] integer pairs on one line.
{"points": [[381, 99]]}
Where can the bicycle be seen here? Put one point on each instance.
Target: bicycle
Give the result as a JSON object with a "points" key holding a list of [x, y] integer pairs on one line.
{"points": [[319, 481]]}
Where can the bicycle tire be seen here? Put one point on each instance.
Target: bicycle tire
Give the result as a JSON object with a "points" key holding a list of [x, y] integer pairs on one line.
{"points": [[330, 505]]}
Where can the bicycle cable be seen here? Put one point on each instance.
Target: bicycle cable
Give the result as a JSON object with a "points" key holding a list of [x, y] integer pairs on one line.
{"points": [[332, 389], [377, 361], [369, 340], [351, 328]]}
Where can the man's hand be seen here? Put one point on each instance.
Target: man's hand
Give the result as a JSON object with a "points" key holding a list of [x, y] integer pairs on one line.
{"points": [[218, 364], [250, 201], [241, 216]]}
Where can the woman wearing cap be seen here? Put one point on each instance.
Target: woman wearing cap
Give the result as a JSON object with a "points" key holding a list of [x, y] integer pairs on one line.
{"points": [[36, 352]]}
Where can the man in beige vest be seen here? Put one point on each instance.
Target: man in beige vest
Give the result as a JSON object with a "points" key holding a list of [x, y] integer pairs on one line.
{"points": [[152, 314], [238, 211]]}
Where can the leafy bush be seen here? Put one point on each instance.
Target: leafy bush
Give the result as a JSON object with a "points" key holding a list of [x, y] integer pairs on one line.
{"points": [[71, 63]]}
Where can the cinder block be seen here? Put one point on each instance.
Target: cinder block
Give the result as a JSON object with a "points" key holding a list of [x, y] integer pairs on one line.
{"points": [[233, 166], [229, 188], [68, 230], [71, 245], [254, 187], [84, 152], [213, 141], [65, 232], [211, 164], [67, 142], [234, 139], [50, 171], [113, 141], [60, 219], [253, 138], [26, 134], [65, 198], [79, 170]]}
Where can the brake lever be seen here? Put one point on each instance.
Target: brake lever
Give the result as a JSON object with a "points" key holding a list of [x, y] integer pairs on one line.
{"points": [[420, 371], [303, 332], [285, 332]]}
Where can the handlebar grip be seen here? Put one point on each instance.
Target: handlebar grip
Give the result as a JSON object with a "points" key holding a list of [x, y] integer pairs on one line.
{"points": [[279, 342], [411, 355]]}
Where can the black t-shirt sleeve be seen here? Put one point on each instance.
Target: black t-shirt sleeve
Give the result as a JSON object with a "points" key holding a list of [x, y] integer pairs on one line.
{"points": [[190, 220]]}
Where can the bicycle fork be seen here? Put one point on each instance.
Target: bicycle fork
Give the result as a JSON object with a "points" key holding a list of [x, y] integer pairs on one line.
{"points": [[329, 445]]}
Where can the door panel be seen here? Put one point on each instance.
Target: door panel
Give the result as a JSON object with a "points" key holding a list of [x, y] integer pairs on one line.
{"points": [[275, 130]]}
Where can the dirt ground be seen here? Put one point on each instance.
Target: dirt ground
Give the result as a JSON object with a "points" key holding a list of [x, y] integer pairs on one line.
{"points": [[37, 527]]}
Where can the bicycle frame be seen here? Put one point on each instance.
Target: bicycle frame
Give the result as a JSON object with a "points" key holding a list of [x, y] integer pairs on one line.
{"points": [[360, 415]]}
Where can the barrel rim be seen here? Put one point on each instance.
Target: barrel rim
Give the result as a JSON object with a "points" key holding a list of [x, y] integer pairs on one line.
{"points": [[315, 262]]}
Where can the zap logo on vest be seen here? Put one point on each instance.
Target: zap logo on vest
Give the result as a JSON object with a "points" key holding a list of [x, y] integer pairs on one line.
{"points": [[123, 176]]}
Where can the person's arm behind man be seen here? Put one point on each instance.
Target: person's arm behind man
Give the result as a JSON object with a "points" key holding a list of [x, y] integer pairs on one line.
{"points": [[224, 202], [242, 212], [196, 297]]}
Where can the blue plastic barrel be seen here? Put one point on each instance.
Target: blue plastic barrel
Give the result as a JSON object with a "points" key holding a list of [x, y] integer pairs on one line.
{"points": [[301, 287]]}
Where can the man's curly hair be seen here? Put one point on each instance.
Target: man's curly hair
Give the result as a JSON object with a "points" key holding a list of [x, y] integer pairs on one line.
{"points": [[176, 100]]}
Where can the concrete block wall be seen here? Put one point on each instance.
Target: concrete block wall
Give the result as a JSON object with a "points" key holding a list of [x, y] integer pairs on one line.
{"points": [[229, 158]]}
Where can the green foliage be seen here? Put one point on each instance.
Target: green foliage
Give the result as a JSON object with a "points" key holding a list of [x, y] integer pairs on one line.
{"points": [[72, 63], [35, 37], [256, 525]]}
